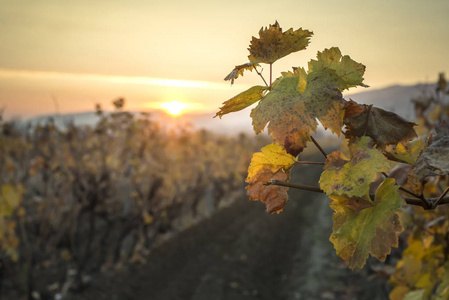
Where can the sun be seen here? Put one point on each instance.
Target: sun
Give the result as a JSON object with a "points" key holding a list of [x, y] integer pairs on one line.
{"points": [[173, 107]]}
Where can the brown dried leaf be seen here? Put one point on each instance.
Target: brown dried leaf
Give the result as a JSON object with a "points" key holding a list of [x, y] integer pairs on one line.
{"points": [[272, 163], [384, 127], [275, 197], [434, 159], [238, 71]]}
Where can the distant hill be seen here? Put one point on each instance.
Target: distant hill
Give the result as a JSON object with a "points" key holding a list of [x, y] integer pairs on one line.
{"points": [[230, 124], [395, 98]]}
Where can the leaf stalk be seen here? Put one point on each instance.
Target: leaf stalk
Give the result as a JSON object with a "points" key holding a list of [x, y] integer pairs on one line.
{"points": [[318, 146]]}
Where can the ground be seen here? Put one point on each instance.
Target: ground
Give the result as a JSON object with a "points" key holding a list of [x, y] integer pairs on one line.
{"points": [[241, 252]]}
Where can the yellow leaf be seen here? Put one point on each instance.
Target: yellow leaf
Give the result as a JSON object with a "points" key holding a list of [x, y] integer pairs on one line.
{"points": [[10, 199], [408, 152], [147, 218], [65, 254], [242, 100], [272, 163], [273, 157], [399, 292]]}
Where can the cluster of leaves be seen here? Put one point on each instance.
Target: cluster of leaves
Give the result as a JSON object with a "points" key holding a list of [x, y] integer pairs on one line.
{"points": [[81, 200], [366, 188], [423, 270]]}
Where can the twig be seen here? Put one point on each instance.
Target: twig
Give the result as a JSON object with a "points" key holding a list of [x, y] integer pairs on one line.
{"points": [[295, 185], [437, 202], [427, 203], [318, 146], [261, 76], [410, 201], [271, 74]]}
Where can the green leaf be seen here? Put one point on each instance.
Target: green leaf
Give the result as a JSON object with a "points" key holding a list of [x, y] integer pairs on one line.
{"points": [[238, 71], [352, 177], [301, 73], [415, 295], [362, 228], [274, 44], [349, 71], [242, 100], [297, 99], [284, 110], [323, 99]]}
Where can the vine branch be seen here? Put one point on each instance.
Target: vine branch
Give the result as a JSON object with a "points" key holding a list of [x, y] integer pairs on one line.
{"points": [[271, 74], [261, 76], [309, 163], [438, 201], [426, 203], [430, 203]]}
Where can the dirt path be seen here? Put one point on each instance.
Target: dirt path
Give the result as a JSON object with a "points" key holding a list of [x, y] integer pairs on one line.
{"points": [[244, 253]]}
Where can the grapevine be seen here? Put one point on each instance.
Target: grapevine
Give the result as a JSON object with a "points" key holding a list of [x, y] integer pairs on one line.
{"points": [[394, 179], [77, 201]]}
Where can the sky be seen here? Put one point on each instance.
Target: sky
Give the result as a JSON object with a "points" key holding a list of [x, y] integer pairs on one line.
{"points": [[66, 56]]}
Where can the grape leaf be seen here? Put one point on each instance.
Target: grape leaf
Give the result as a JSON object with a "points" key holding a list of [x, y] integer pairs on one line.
{"points": [[442, 291], [284, 109], [275, 197], [238, 71], [272, 157], [406, 153], [399, 292], [352, 177], [301, 73], [434, 158], [418, 267], [415, 295], [242, 100], [384, 127], [274, 44], [349, 71], [323, 99], [272, 163], [362, 228], [292, 115]]}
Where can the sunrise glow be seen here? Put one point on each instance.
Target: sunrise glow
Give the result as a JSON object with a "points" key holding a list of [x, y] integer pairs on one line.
{"points": [[174, 107]]}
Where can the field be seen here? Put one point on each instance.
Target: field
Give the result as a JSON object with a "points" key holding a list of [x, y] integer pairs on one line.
{"points": [[82, 201]]}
